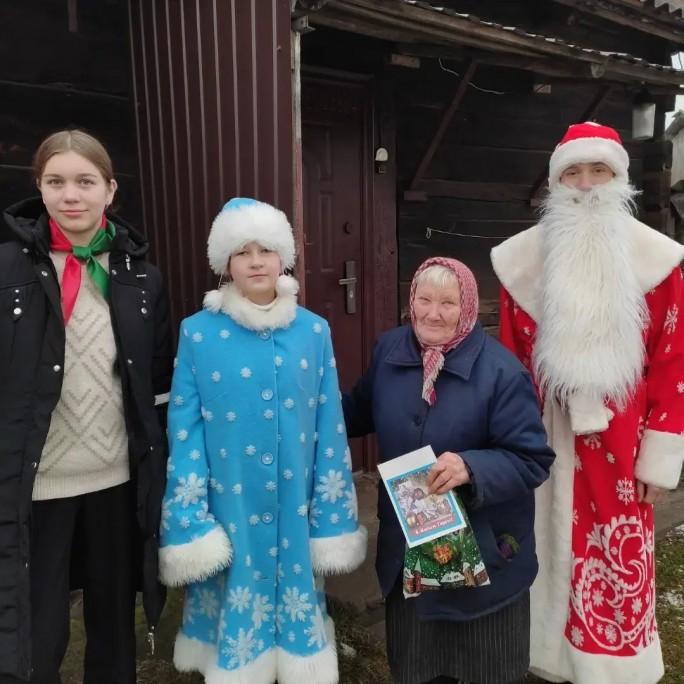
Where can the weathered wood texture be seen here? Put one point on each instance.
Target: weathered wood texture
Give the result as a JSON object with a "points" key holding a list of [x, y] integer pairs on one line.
{"points": [[496, 146], [52, 78]]}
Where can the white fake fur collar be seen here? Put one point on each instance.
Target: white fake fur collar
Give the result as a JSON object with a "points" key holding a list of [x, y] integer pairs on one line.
{"points": [[517, 263], [230, 301]]}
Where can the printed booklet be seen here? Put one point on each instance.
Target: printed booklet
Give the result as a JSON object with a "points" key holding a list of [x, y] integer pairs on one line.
{"points": [[423, 516]]}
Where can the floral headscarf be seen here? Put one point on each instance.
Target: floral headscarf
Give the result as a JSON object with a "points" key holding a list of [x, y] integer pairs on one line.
{"points": [[433, 355]]}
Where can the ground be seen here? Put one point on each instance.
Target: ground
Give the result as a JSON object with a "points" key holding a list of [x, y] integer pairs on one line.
{"points": [[358, 611], [362, 660]]}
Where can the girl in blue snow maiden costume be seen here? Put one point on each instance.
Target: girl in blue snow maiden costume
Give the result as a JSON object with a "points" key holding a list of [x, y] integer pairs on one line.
{"points": [[260, 502]]}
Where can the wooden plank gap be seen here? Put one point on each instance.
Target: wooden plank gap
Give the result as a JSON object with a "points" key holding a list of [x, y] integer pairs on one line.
{"points": [[72, 9], [591, 111], [415, 196], [448, 115]]}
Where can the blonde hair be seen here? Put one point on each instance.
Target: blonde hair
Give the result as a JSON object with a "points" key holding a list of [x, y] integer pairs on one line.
{"points": [[438, 276], [78, 141]]}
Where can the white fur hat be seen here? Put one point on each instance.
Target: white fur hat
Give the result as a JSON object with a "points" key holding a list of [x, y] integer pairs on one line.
{"points": [[244, 220], [587, 143]]}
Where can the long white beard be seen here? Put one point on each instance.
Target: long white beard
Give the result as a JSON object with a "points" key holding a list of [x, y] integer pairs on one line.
{"points": [[589, 338]]}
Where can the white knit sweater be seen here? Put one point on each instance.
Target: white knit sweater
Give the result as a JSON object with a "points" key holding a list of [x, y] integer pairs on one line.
{"points": [[87, 446]]}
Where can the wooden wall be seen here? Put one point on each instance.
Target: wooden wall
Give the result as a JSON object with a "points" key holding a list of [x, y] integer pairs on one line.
{"points": [[60, 69], [494, 150], [480, 179]]}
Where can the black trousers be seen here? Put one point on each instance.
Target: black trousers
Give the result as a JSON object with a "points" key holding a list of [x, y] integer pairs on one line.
{"points": [[98, 531]]}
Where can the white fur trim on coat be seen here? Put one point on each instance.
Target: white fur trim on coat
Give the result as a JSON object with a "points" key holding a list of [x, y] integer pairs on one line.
{"points": [[279, 315], [588, 414], [589, 151], [550, 593], [660, 458], [339, 555], [192, 655], [518, 262], [320, 668], [197, 560], [195, 655], [259, 222], [552, 656], [644, 667]]}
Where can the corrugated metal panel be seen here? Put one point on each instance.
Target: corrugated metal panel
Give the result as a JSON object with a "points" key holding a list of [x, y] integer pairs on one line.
{"points": [[214, 114]]}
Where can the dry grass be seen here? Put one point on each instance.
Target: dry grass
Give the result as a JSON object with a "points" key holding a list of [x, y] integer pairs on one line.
{"points": [[670, 604], [369, 666]]}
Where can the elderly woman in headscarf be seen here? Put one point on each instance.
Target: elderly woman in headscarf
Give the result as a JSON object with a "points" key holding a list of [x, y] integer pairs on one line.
{"points": [[441, 381]]}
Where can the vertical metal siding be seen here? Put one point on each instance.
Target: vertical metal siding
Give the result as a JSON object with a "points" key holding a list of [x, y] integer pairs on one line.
{"points": [[213, 90]]}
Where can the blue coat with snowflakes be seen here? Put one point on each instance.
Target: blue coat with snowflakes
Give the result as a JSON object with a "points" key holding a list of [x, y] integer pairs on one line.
{"points": [[260, 500]]}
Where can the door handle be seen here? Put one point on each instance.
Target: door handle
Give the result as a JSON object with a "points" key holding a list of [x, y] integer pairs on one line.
{"points": [[349, 283]]}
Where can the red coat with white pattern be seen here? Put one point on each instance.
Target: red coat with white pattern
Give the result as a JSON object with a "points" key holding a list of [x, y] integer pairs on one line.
{"points": [[593, 605]]}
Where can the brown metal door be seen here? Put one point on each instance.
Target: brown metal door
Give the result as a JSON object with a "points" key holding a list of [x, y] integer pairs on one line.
{"points": [[332, 155]]}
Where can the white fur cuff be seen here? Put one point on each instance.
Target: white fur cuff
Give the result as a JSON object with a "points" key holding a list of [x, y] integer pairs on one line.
{"points": [[660, 459], [588, 414], [339, 555], [203, 557], [192, 655]]}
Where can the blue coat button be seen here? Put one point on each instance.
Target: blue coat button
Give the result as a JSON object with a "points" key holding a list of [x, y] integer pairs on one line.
{"points": [[267, 395], [267, 459], [267, 518], [265, 334]]}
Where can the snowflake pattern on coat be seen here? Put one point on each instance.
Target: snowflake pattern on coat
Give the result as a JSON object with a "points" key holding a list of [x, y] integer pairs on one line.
{"points": [[258, 446], [612, 593]]}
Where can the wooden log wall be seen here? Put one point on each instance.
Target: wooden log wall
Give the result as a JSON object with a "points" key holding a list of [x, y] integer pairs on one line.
{"points": [[66, 64], [478, 183]]}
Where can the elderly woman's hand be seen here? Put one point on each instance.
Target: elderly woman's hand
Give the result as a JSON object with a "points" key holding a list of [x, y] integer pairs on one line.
{"points": [[450, 471]]}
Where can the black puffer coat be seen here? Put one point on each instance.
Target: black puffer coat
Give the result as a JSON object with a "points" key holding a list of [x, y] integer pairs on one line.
{"points": [[32, 342]]}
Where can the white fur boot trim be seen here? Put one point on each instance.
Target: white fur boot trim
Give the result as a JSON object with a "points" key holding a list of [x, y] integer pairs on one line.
{"points": [[660, 459], [200, 558], [644, 667], [262, 670], [588, 414], [192, 655], [320, 668], [339, 555]]}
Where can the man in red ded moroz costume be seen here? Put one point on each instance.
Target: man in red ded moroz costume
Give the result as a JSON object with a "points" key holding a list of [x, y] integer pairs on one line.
{"points": [[592, 304]]}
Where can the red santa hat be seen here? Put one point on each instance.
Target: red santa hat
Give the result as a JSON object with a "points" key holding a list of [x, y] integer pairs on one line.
{"points": [[588, 143]]}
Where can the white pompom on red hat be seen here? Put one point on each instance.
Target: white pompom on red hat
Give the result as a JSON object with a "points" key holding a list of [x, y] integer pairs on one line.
{"points": [[588, 143]]}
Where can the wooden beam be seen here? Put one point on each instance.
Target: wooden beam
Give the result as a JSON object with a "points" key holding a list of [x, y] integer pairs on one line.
{"points": [[487, 192], [624, 17], [539, 65], [379, 20], [591, 111], [341, 22], [448, 115], [449, 29], [562, 70]]}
